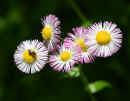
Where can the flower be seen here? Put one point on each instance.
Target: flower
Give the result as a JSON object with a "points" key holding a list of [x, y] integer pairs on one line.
{"points": [[79, 38], [51, 31], [31, 56], [104, 39], [65, 59]]}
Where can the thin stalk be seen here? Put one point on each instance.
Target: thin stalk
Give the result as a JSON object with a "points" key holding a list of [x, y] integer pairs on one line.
{"points": [[86, 83], [84, 79], [77, 10]]}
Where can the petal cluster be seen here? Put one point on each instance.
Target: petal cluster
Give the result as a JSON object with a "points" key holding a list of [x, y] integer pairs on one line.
{"points": [[104, 39], [28, 63], [65, 59], [51, 31], [80, 39]]}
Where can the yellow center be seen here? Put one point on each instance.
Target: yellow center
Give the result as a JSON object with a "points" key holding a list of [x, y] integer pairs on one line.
{"points": [[81, 43], [29, 56], [65, 55], [103, 37], [46, 33]]}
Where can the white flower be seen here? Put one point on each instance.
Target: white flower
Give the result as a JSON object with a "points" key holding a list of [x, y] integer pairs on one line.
{"points": [[104, 39], [65, 59], [31, 56], [80, 38], [51, 31]]}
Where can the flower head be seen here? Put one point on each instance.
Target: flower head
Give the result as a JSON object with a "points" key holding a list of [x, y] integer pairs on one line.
{"points": [[104, 39], [65, 59], [79, 38], [31, 56], [51, 31]]}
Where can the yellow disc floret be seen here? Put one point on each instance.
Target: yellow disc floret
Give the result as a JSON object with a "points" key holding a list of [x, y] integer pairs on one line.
{"points": [[47, 32], [29, 56], [103, 37], [65, 55], [81, 43]]}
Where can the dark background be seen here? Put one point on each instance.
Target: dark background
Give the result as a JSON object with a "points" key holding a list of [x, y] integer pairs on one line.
{"points": [[20, 20]]}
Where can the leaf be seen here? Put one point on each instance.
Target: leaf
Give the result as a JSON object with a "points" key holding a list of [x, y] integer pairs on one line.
{"points": [[98, 86], [86, 24], [74, 73]]}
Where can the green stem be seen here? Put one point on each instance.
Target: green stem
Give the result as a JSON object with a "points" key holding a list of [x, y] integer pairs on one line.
{"points": [[82, 76], [86, 83], [77, 10]]}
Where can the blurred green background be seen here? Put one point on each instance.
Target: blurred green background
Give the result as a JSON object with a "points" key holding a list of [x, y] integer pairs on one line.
{"points": [[21, 20]]}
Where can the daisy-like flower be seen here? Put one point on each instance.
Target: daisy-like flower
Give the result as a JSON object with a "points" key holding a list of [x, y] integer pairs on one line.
{"points": [[31, 56], [104, 39], [51, 31], [65, 59], [79, 38]]}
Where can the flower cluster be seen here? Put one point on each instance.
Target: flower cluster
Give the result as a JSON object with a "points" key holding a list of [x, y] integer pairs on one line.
{"points": [[83, 45]]}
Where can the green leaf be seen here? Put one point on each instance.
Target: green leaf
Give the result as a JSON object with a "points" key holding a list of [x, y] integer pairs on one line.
{"points": [[74, 73], [98, 86], [86, 24]]}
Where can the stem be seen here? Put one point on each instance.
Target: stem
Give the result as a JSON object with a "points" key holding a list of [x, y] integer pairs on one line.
{"points": [[82, 76], [86, 83], [77, 10]]}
